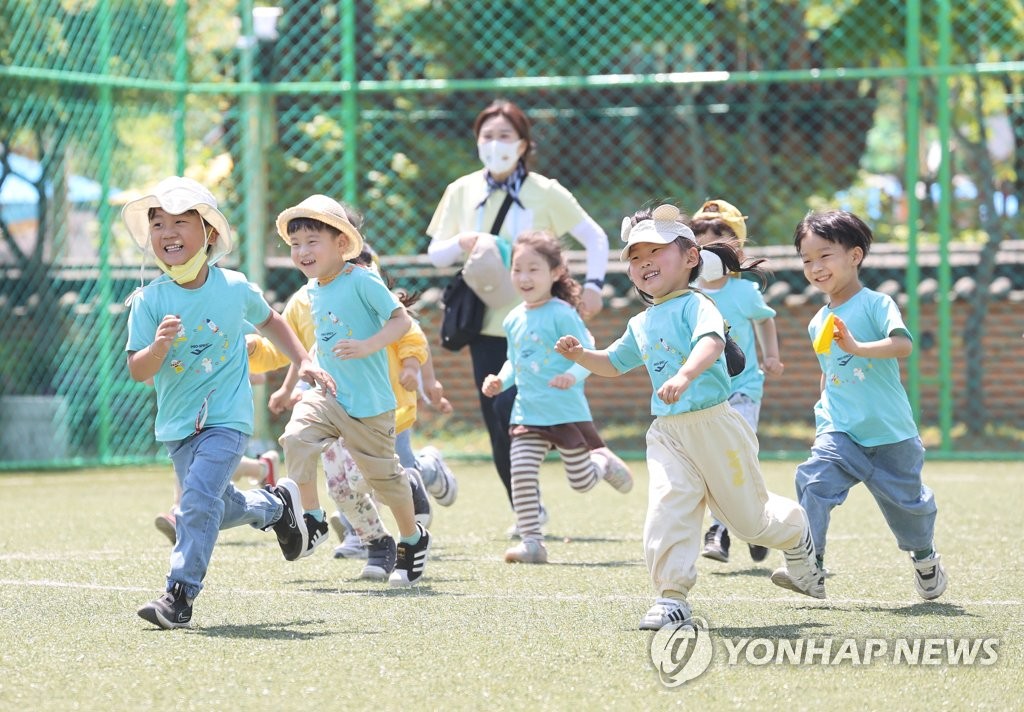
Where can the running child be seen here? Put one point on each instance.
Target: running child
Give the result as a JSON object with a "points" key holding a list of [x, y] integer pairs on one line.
{"points": [[355, 316], [700, 452], [865, 429], [752, 324], [186, 331], [550, 408]]}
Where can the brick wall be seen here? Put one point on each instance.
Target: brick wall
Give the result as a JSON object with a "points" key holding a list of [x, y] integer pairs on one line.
{"points": [[791, 397]]}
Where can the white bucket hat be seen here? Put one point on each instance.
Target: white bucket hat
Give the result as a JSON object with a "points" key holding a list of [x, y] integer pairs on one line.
{"points": [[177, 195], [662, 229], [326, 210]]}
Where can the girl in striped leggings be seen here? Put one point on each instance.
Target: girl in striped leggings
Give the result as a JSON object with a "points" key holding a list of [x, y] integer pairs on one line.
{"points": [[550, 409]]}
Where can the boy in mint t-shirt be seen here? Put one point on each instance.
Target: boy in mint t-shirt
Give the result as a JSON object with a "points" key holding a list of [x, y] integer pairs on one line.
{"points": [[186, 331], [865, 427]]}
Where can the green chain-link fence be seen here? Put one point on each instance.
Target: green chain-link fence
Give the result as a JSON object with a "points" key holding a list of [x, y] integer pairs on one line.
{"points": [[776, 106]]}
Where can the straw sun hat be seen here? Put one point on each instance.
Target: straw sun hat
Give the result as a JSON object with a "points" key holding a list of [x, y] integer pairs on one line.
{"points": [[177, 195], [326, 210]]}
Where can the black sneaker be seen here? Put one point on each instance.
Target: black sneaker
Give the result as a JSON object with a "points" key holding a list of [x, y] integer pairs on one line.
{"points": [[381, 555], [420, 500], [316, 533], [412, 558], [758, 553], [171, 610], [716, 543], [291, 527]]}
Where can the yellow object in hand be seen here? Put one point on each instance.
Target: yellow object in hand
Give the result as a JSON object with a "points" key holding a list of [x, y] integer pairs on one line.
{"points": [[823, 342]]}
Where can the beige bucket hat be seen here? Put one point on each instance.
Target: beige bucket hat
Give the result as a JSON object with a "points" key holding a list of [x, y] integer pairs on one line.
{"points": [[326, 210], [728, 213], [177, 195]]}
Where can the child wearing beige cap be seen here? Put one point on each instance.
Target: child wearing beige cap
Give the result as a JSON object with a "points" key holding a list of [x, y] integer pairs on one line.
{"points": [[355, 316]]}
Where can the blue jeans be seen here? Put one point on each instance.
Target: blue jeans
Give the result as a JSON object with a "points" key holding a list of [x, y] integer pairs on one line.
{"points": [[892, 474], [204, 464], [403, 448]]}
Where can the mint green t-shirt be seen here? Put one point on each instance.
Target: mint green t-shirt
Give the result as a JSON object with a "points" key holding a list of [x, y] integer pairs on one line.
{"points": [[864, 397], [533, 362], [741, 304], [207, 368], [662, 337], [354, 305]]}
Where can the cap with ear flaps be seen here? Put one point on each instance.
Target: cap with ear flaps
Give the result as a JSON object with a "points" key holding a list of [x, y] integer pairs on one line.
{"points": [[662, 229], [177, 195], [726, 212]]}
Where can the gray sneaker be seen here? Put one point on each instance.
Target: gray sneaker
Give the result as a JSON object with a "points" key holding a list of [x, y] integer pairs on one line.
{"points": [[381, 556], [528, 551], [444, 488], [801, 573], [929, 577]]}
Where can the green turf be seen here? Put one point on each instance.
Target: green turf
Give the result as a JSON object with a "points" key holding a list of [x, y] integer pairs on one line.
{"points": [[78, 555]]}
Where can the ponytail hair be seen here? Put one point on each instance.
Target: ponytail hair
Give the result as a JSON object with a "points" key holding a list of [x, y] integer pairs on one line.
{"points": [[547, 246]]}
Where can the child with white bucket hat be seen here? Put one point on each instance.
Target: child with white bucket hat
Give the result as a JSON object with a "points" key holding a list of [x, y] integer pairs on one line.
{"points": [[186, 331]]}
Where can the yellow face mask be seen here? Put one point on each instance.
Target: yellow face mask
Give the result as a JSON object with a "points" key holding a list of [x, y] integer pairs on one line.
{"points": [[183, 274]]}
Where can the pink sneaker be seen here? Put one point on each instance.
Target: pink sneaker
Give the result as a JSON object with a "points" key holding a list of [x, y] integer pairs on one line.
{"points": [[271, 459]]}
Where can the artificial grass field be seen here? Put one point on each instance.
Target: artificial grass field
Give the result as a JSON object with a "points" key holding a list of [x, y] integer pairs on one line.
{"points": [[79, 554]]}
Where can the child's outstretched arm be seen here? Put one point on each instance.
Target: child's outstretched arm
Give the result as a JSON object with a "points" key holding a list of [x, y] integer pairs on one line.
{"points": [[282, 336], [893, 346], [143, 365], [768, 338], [705, 353], [594, 361], [392, 331]]}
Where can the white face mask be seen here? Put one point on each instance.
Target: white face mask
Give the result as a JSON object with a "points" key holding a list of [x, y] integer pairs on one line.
{"points": [[713, 268], [498, 157]]}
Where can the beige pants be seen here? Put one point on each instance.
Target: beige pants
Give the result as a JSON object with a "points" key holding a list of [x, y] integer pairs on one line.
{"points": [[317, 421], [707, 457]]}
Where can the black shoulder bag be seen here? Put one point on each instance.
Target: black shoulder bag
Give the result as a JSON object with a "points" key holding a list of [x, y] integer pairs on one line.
{"points": [[463, 316]]}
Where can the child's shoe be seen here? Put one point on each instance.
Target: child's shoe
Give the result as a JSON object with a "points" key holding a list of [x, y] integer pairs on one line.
{"points": [[352, 547], [412, 559], [381, 555], [316, 534], [666, 611], [801, 573], [529, 551], [337, 523], [758, 553], [616, 471], [444, 488], [717, 543], [291, 532], [165, 524], [171, 610], [929, 576], [271, 460], [420, 500]]}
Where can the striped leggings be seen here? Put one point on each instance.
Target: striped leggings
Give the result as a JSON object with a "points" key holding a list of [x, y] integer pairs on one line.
{"points": [[527, 454]]}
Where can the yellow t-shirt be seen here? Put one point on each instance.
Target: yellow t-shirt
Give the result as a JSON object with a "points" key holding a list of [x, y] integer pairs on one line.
{"points": [[548, 206], [267, 357]]}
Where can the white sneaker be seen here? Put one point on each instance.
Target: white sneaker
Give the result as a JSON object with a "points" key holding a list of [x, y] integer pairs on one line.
{"points": [[929, 577], [513, 531], [444, 488], [665, 611], [616, 471], [801, 573], [351, 547], [529, 551]]}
